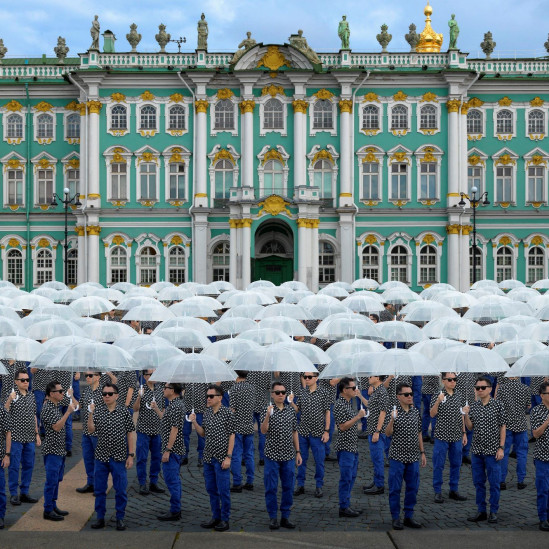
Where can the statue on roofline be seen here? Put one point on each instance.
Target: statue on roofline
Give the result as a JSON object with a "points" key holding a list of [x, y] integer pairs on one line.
{"points": [[94, 31], [454, 33], [344, 32], [299, 42], [247, 44], [202, 33]]}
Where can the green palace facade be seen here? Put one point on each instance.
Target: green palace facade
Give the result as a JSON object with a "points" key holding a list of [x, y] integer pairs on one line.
{"points": [[276, 162]]}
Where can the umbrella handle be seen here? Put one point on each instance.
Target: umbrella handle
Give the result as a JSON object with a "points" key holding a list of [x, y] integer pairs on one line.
{"points": [[16, 397], [187, 417], [461, 409], [148, 406], [443, 400]]}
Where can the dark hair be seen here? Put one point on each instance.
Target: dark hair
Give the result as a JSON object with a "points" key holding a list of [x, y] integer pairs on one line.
{"points": [[51, 387], [19, 372], [241, 373], [177, 388], [113, 386], [277, 384], [444, 374], [543, 387], [401, 386], [345, 383], [217, 388], [315, 374], [486, 379], [375, 316]]}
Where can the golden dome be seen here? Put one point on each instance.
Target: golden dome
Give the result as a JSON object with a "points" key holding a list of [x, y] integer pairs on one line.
{"points": [[429, 40]]}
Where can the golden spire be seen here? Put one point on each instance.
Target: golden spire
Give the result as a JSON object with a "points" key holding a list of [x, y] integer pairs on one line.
{"points": [[429, 40]]}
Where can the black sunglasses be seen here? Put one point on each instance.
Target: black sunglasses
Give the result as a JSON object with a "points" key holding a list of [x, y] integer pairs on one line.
{"points": [[279, 392], [60, 391], [481, 387], [109, 394], [308, 377], [353, 388], [144, 374], [406, 394], [452, 379], [23, 379], [212, 396], [168, 387]]}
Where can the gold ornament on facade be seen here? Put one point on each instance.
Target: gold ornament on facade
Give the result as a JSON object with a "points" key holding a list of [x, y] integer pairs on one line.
{"points": [[429, 40], [223, 154], [13, 243], [273, 59], [370, 239], [371, 132], [370, 203], [475, 160], [176, 157], [43, 106], [93, 230], [300, 106], [147, 157], [371, 97], [429, 97], [323, 154], [147, 203], [79, 230], [537, 102], [273, 154], [82, 109], [72, 164], [428, 157], [224, 93], [504, 241], [537, 160], [428, 202], [14, 164], [118, 97], [176, 98], [400, 96], [504, 204], [536, 241], [147, 96], [245, 223], [117, 240], [274, 205], [428, 239], [72, 106], [118, 203], [43, 164], [43, 243], [505, 159], [475, 103], [272, 90], [453, 229], [324, 94], [176, 241], [399, 157], [94, 107], [117, 157], [13, 106], [346, 105], [201, 105], [537, 204], [370, 157], [399, 203], [246, 106], [464, 108], [176, 203], [452, 105], [505, 102]]}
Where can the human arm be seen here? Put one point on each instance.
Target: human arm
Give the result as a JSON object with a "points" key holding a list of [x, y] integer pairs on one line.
{"points": [[227, 461], [502, 433], [132, 437], [379, 426], [298, 459], [171, 441]]}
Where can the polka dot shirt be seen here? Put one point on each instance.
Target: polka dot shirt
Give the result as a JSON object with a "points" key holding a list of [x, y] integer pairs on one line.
{"points": [[54, 441], [487, 421], [405, 440], [148, 421], [112, 433], [279, 445], [449, 425], [516, 400], [538, 417], [242, 399], [218, 427], [174, 416], [23, 418]]}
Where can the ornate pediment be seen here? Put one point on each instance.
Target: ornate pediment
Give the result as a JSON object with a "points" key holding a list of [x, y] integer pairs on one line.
{"points": [[273, 58]]}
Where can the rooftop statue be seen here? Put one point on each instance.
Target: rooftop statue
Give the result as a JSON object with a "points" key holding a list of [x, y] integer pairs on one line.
{"points": [[3, 50], [247, 44], [344, 32], [412, 37], [61, 49], [94, 31], [202, 33], [488, 44], [454, 32], [299, 42], [133, 37], [162, 37], [384, 38]]}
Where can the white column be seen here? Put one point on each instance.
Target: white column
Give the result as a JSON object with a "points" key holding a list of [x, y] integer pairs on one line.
{"points": [[200, 247], [302, 252], [465, 283], [94, 230], [233, 250], [453, 251], [314, 255], [200, 194], [247, 112], [346, 187], [81, 269], [246, 252], [453, 151], [94, 108], [347, 240], [300, 113]]}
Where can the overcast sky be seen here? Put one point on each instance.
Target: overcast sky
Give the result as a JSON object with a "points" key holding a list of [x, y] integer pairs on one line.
{"points": [[30, 28]]}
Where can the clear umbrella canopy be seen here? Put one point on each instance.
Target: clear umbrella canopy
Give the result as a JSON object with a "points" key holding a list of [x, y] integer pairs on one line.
{"points": [[363, 302], [312, 352], [323, 310], [403, 332], [55, 285], [129, 303], [353, 347], [345, 285], [5, 301], [30, 302], [543, 313], [510, 284], [249, 298], [54, 309], [66, 296], [334, 291], [28, 321], [347, 327], [108, 332], [479, 284], [260, 284], [222, 285], [246, 311], [311, 300], [290, 326], [491, 311], [486, 290], [54, 328], [541, 284], [53, 348], [193, 368], [151, 356], [173, 293], [205, 301], [19, 348], [283, 309], [149, 312], [45, 292], [124, 287], [399, 296], [159, 286], [142, 291], [11, 327], [109, 294], [274, 359], [224, 297], [365, 284], [536, 364], [12, 293], [521, 320], [501, 331], [296, 296], [295, 285], [390, 284], [9, 313], [91, 305], [454, 300], [538, 332], [6, 284], [523, 294], [228, 350], [188, 322], [264, 337], [184, 338], [511, 351], [233, 326], [539, 302], [456, 328], [198, 310], [431, 348], [471, 359], [425, 311], [137, 341]]}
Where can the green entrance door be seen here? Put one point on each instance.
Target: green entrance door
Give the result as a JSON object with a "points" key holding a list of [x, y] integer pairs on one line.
{"points": [[273, 268]]}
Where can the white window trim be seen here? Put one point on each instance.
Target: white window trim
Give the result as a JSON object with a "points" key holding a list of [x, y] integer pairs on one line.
{"points": [[379, 244], [429, 131], [513, 246], [324, 237], [117, 132], [67, 166], [140, 159], [146, 241], [263, 131], [22, 165], [126, 155], [34, 253], [213, 102], [219, 239], [423, 157], [167, 244], [333, 161], [45, 140], [108, 245], [13, 140], [513, 164], [371, 132], [5, 248], [71, 140], [184, 103], [437, 244], [213, 161], [399, 132], [535, 136], [169, 154], [482, 246], [477, 136], [393, 160], [528, 246], [401, 241], [138, 107], [312, 130], [528, 163], [482, 164], [370, 152], [36, 166], [505, 136], [261, 168]]}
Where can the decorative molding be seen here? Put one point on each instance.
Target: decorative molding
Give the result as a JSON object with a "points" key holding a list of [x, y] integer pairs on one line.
{"points": [[453, 105], [300, 105], [400, 96], [94, 107], [224, 93], [474, 160], [117, 240], [453, 229], [371, 97], [118, 97], [537, 102], [323, 154], [223, 154], [273, 59], [504, 241], [72, 106], [346, 105], [43, 243], [43, 106], [14, 164], [537, 160], [176, 98], [505, 102], [117, 157], [505, 159], [272, 90], [475, 103], [273, 205], [324, 94], [201, 105], [273, 154], [247, 106], [308, 223], [429, 97], [13, 106], [400, 156], [147, 96], [93, 230]]}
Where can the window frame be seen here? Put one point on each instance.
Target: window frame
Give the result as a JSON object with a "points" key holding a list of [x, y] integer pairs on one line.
{"points": [[505, 159], [402, 267], [119, 131], [278, 154], [535, 136], [330, 155], [399, 131], [333, 105], [43, 162], [72, 267], [371, 131], [218, 153], [7, 138], [45, 140], [263, 130], [72, 139], [38, 252], [152, 129], [323, 268], [232, 101], [437, 118], [117, 155], [225, 267], [112, 267], [13, 162], [167, 117], [505, 268], [141, 267], [370, 267], [541, 247], [390, 196], [505, 136], [482, 133], [432, 267]]}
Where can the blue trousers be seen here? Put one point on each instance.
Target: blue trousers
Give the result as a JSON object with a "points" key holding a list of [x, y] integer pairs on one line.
{"points": [[218, 486], [146, 444], [328, 445], [417, 383], [409, 472], [243, 446], [2, 493], [68, 429], [426, 419], [319, 453], [542, 489], [364, 420], [55, 467], [387, 444], [467, 447], [453, 450], [348, 466], [261, 436], [520, 441], [286, 471], [22, 455], [170, 470], [486, 467], [76, 389], [117, 469], [39, 397], [377, 450], [187, 430], [88, 454]]}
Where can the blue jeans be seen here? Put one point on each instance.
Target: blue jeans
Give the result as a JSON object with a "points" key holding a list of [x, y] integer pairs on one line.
{"points": [[243, 445], [348, 466], [542, 489], [453, 450], [467, 447], [417, 384], [146, 444], [328, 445], [22, 455], [2, 493], [319, 453], [377, 450], [76, 390], [486, 467], [187, 429], [409, 472], [426, 419], [262, 439], [363, 421], [68, 429], [218, 486], [117, 469], [88, 454], [39, 397], [55, 467], [170, 470], [520, 441], [286, 471], [387, 445]]}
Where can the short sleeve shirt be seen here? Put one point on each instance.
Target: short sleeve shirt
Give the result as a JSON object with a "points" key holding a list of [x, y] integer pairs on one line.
{"points": [[378, 402], [516, 400], [538, 416], [218, 427], [3, 430], [347, 441], [242, 400], [405, 440], [313, 407], [174, 416], [54, 441], [148, 421], [112, 432], [23, 418], [87, 396], [449, 419], [262, 383], [487, 422], [195, 397], [279, 443]]}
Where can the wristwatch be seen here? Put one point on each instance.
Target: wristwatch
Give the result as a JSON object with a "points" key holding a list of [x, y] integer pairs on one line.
{"points": [[168, 450], [229, 456], [7, 454], [500, 448], [131, 454]]}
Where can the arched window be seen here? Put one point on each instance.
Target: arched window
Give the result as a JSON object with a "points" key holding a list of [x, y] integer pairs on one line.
{"points": [[399, 118], [428, 117], [72, 267], [176, 268], [119, 265], [72, 180], [273, 115], [322, 177], [177, 181], [504, 264], [221, 261], [370, 181], [148, 118], [398, 266], [44, 266], [15, 183], [45, 126], [177, 118], [504, 122], [73, 126], [224, 115], [474, 121], [119, 189], [119, 118], [370, 263], [536, 121], [15, 126], [323, 115], [326, 263], [370, 118], [478, 267], [536, 184], [428, 264], [536, 265], [147, 266], [15, 266], [273, 247], [273, 182], [147, 174], [224, 178]]}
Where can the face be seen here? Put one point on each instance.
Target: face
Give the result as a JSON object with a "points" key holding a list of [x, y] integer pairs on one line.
{"points": [[349, 391], [406, 396], [22, 383], [147, 375], [109, 396], [212, 398], [373, 319], [372, 380], [545, 396], [57, 394], [91, 377], [310, 378], [449, 380], [482, 389], [278, 394]]}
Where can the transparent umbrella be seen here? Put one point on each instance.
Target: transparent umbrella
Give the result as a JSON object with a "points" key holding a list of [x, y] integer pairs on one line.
{"points": [[174, 294], [347, 327], [29, 302], [521, 320], [224, 297], [536, 364], [207, 290], [425, 311], [353, 347], [487, 290], [184, 338], [159, 286], [45, 292], [455, 300], [264, 337], [539, 302], [365, 284], [340, 283], [149, 312], [479, 284], [108, 332], [19, 348], [152, 355], [66, 296], [247, 311], [142, 291], [539, 332], [397, 362], [274, 359], [53, 348], [288, 325], [363, 302], [198, 310], [541, 284], [190, 322], [54, 309], [230, 349], [11, 327], [296, 296], [54, 328], [402, 332], [249, 298], [523, 294], [457, 328], [543, 313], [490, 311], [123, 286], [312, 352], [54, 284], [260, 284], [129, 303], [137, 341], [6, 284], [431, 348], [312, 300], [28, 321], [390, 284], [91, 305], [233, 326], [500, 331], [295, 285], [471, 359], [334, 291], [204, 301], [9, 313], [511, 351], [108, 293], [284, 309], [510, 284], [323, 310], [193, 368], [222, 285], [399, 296]]}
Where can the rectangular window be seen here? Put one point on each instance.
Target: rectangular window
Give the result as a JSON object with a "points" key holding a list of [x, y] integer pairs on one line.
{"points": [[148, 181], [428, 188], [504, 184], [370, 181], [15, 268], [400, 274], [223, 181], [504, 267], [221, 266], [118, 182], [177, 180], [72, 270], [478, 269], [428, 269], [323, 180], [474, 179], [44, 270], [535, 267], [45, 186], [15, 187], [73, 178], [273, 183], [536, 180], [399, 181]]}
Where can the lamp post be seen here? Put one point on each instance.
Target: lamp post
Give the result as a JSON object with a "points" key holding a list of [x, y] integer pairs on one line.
{"points": [[66, 201], [474, 202]]}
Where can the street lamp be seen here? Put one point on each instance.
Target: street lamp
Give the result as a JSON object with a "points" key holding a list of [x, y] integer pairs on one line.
{"points": [[66, 201], [474, 202]]}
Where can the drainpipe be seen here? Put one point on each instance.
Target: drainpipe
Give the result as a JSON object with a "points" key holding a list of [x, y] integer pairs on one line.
{"points": [[29, 136]]}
